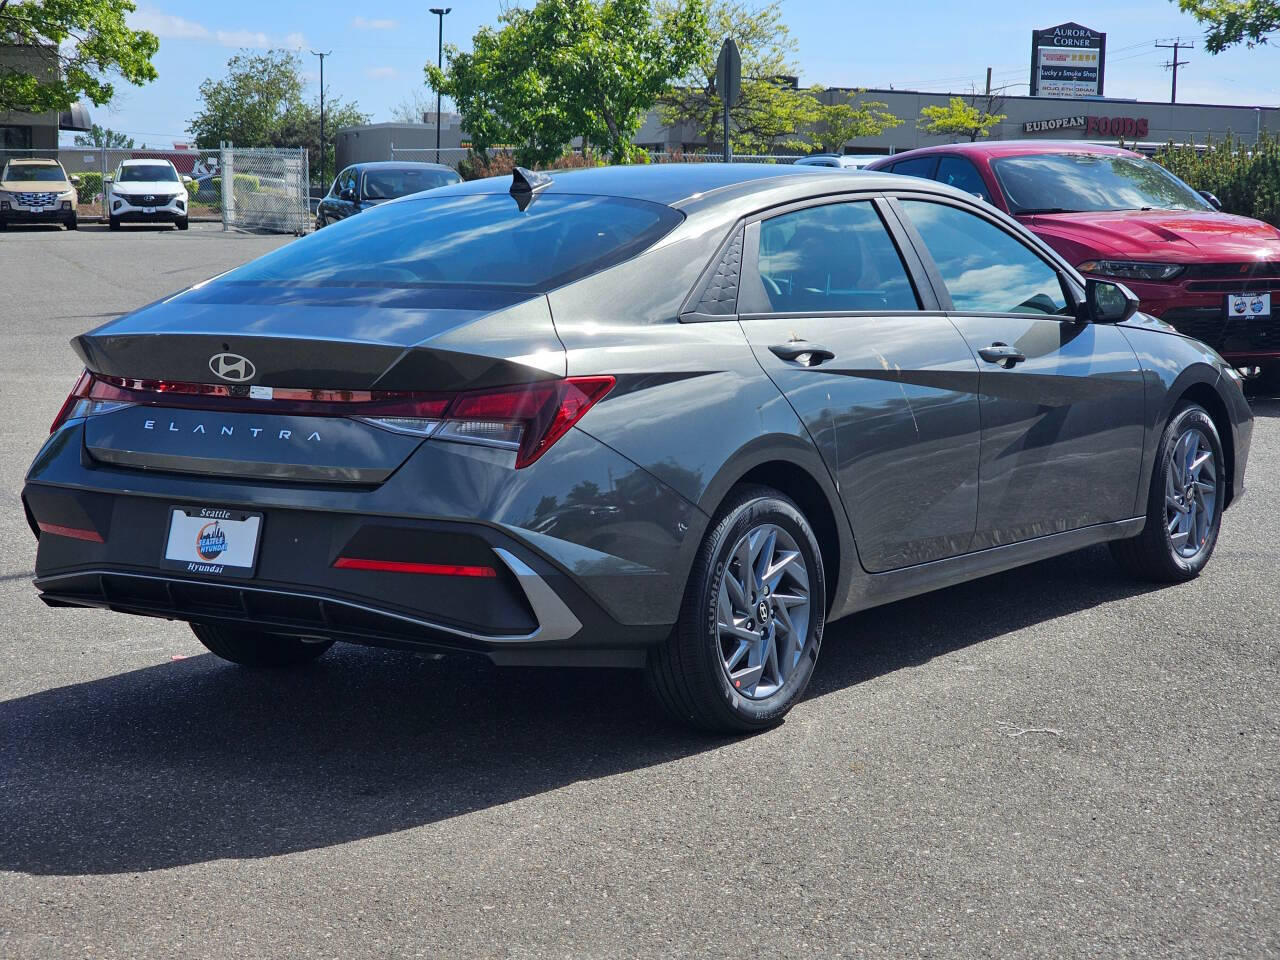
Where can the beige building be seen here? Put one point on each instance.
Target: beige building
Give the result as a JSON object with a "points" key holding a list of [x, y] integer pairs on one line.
{"points": [[35, 131]]}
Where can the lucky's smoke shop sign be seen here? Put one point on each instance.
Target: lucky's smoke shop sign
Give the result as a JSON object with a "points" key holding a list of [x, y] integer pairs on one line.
{"points": [[1067, 61]]}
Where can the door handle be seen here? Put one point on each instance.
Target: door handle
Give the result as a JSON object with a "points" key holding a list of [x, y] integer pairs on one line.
{"points": [[1003, 354], [802, 352]]}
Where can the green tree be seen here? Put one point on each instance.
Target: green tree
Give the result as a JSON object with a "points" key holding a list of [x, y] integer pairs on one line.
{"points": [[958, 119], [570, 68], [771, 112], [1230, 22], [838, 123], [100, 137], [78, 47], [260, 103]]}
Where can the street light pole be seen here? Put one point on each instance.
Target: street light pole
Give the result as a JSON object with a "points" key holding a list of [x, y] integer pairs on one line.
{"points": [[322, 143], [439, 12]]}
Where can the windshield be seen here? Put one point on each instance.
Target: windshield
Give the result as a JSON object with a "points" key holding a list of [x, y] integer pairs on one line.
{"points": [[147, 173], [471, 240], [389, 184], [1068, 182], [33, 173]]}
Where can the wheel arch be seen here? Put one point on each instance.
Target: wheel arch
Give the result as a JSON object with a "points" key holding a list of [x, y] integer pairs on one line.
{"points": [[1207, 396], [810, 486]]}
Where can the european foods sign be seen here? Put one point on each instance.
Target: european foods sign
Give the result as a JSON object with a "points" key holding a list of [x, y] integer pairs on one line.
{"points": [[1067, 61]]}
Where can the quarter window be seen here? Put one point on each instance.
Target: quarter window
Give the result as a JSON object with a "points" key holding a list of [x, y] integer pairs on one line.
{"points": [[985, 269], [835, 258]]}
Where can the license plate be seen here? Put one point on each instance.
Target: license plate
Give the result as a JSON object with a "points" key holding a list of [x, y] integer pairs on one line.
{"points": [[38, 209], [1249, 305], [212, 540], [148, 209]]}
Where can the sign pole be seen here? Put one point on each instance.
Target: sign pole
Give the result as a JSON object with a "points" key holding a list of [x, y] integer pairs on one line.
{"points": [[728, 86]]}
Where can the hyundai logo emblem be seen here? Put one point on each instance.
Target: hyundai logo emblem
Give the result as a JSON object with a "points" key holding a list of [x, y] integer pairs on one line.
{"points": [[232, 366]]}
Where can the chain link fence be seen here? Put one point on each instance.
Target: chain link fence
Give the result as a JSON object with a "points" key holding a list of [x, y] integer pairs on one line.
{"points": [[267, 188], [452, 156]]}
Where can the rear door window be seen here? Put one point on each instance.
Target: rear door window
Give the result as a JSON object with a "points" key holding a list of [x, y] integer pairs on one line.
{"points": [[960, 173], [985, 269], [917, 167], [835, 258]]}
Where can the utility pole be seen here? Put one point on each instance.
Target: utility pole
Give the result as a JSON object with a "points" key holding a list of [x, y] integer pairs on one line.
{"points": [[323, 151], [439, 12], [988, 81], [1175, 63]]}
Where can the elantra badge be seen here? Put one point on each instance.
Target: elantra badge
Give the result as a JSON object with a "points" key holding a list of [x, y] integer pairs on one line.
{"points": [[232, 366]]}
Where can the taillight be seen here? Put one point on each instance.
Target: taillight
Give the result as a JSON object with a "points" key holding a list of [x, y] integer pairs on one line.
{"points": [[78, 393], [527, 418]]}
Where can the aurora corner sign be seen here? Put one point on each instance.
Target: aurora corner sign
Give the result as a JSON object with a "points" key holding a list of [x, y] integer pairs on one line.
{"points": [[1067, 61]]}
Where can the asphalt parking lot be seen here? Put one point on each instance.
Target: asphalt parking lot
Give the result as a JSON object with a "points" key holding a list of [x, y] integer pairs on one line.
{"points": [[1052, 762]]}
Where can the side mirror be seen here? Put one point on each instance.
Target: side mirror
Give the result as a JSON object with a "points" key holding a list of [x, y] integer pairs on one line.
{"points": [[185, 178], [1107, 302], [1213, 201], [74, 180], [347, 194]]}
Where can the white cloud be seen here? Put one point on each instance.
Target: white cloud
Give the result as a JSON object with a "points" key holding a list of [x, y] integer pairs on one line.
{"points": [[171, 27], [167, 25], [360, 23], [380, 73]]}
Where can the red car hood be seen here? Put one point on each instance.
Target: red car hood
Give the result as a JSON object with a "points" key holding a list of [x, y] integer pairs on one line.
{"points": [[1170, 235]]}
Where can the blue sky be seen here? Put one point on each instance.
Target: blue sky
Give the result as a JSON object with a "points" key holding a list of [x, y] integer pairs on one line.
{"points": [[379, 47]]}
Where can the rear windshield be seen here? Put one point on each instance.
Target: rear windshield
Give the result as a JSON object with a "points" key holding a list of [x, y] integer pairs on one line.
{"points": [[1075, 182], [147, 173], [389, 184], [33, 173], [474, 240]]}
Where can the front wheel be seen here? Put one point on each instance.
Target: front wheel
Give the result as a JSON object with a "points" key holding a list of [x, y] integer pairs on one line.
{"points": [[181, 223], [1184, 506], [113, 223], [255, 648], [751, 621], [73, 224]]}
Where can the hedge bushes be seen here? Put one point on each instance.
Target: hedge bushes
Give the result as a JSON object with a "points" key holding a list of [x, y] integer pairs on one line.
{"points": [[90, 186], [1244, 176]]}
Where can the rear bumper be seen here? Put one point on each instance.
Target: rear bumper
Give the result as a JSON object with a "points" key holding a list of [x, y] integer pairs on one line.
{"points": [[570, 582]]}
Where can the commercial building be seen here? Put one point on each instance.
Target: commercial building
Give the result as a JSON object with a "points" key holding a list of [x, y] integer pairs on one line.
{"points": [[374, 141], [1067, 118]]}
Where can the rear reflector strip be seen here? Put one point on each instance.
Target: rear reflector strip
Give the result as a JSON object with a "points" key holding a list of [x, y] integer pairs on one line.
{"points": [[400, 566], [75, 533]]}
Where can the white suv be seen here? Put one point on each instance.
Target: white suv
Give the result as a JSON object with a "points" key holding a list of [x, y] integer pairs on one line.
{"points": [[147, 191]]}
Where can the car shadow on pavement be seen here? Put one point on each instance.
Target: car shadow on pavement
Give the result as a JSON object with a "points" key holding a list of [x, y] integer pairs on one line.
{"points": [[1265, 406], [195, 760]]}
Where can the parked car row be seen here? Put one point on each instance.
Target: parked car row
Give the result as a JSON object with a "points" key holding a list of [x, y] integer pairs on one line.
{"points": [[34, 191], [1114, 214]]}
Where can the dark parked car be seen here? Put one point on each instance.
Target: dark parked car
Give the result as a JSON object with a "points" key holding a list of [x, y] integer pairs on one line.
{"points": [[671, 417], [1115, 214], [364, 185]]}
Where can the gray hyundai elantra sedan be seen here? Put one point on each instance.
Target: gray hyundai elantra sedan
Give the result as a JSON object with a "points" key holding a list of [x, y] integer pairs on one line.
{"points": [[674, 418]]}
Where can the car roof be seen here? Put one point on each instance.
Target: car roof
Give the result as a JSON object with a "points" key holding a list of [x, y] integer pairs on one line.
{"points": [[135, 161], [35, 161], [699, 185], [1013, 148], [400, 165]]}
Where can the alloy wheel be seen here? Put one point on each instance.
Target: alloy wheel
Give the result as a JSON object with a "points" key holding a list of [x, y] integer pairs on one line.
{"points": [[762, 618], [1190, 493]]}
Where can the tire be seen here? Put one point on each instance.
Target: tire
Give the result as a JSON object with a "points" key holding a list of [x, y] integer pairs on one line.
{"points": [[1182, 521], [73, 223], [113, 223], [690, 672], [181, 223], [255, 648]]}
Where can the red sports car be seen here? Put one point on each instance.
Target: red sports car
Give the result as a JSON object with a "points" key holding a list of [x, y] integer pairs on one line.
{"points": [[1113, 213]]}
